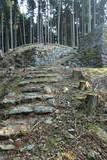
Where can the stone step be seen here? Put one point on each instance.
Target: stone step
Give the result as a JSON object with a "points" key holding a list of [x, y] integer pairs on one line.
{"points": [[29, 108], [41, 68], [12, 99], [35, 88], [37, 72], [40, 80], [41, 75], [32, 88]]}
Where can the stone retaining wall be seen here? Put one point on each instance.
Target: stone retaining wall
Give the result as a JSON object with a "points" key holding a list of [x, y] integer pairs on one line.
{"points": [[93, 48]]}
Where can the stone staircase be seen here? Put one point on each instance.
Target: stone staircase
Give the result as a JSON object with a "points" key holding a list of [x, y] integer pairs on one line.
{"points": [[33, 96]]}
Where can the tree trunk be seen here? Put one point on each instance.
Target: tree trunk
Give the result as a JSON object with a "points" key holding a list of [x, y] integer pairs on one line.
{"points": [[30, 29], [83, 13], [2, 19], [7, 39], [89, 12], [24, 34], [77, 30], [15, 34], [21, 38], [59, 20], [73, 27], [11, 25], [48, 19], [94, 13]]}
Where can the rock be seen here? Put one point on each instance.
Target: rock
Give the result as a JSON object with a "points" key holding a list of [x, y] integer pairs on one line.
{"points": [[24, 98], [47, 90], [68, 135], [48, 120], [65, 89], [71, 130], [10, 98], [44, 110], [57, 111], [29, 108], [27, 148], [20, 110], [31, 89], [7, 147], [40, 80], [51, 102], [77, 75], [94, 47], [41, 75], [14, 130]]}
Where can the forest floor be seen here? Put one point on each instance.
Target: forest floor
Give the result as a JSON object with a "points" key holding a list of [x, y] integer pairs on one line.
{"points": [[46, 113]]}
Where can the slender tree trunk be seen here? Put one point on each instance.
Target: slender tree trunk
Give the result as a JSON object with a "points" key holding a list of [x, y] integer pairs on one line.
{"points": [[59, 20], [7, 39], [85, 29], [51, 23], [94, 13], [21, 37], [89, 23], [83, 13], [15, 33], [33, 33], [24, 33], [38, 30], [30, 31], [11, 25], [45, 29], [42, 30], [65, 31], [38, 21], [73, 27], [48, 21], [77, 28], [2, 23]]}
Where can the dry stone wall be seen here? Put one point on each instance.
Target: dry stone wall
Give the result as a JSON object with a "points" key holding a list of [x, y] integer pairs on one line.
{"points": [[93, 48]]}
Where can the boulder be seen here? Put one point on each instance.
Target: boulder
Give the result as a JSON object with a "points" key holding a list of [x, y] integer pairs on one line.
{"points": [[7, 147], [51, 102], [44, 109], [47, 90]]}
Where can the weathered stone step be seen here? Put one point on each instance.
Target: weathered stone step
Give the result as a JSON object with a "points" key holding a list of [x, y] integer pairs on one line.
{"points": [[37, 72], [29, 108], [41, 80], [12, 99], [35, 88], [31, 88], [42, 68], [46, 75]]}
